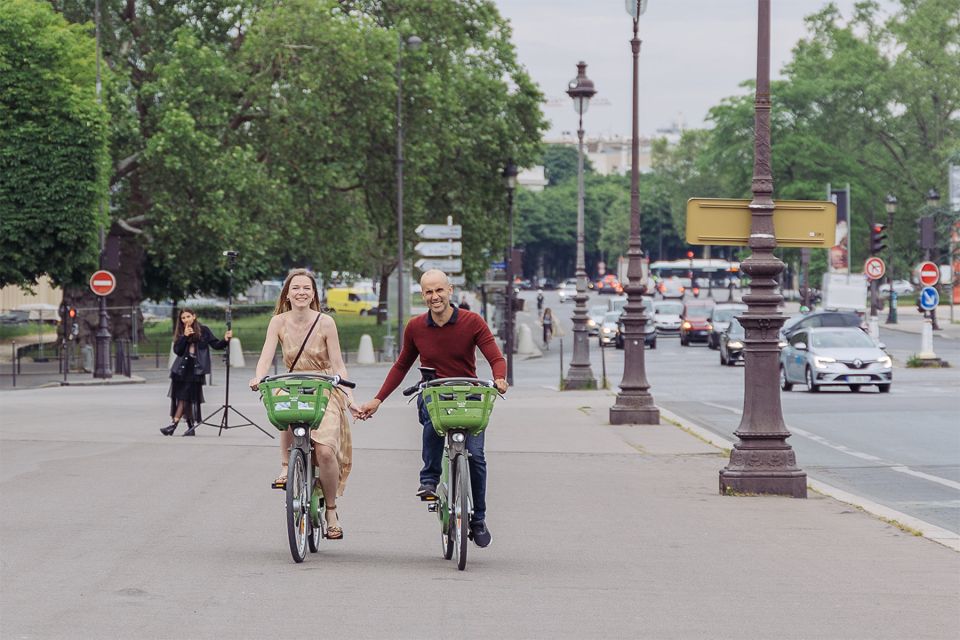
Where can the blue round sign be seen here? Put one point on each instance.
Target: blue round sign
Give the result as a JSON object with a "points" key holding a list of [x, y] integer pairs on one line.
{"points": [[929, 298]]}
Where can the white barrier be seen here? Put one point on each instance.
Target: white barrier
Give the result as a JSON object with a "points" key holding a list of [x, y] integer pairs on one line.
{"points": [[525, 345], [236, 354], [365, 354]]}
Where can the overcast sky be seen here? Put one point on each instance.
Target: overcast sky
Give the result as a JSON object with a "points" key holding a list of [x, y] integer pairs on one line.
{"points": [[694, 53]]}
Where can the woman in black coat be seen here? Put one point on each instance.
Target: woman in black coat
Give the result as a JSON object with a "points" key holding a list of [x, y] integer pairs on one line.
{"points": [[191, 342]]}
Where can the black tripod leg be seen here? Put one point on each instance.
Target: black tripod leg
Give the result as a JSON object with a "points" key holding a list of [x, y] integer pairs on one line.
{"points": [[249, 423]]}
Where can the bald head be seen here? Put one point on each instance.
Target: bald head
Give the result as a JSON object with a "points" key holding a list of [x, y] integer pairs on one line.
{"points": [[435, 276]]}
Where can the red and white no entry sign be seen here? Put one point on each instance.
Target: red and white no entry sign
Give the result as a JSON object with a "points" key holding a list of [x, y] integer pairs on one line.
{"points": [[874, 268], [103, 283], [929, 274]]}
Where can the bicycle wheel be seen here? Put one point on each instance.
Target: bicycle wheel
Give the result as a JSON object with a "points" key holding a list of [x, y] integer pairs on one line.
{"points": [[297, 506], [461, 510]]}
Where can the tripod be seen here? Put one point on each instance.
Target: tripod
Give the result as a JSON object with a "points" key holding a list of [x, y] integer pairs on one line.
{"points": [[225, 408]]}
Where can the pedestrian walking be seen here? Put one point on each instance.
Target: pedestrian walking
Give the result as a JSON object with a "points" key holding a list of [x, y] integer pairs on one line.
{"points": [[309, 341], [463, 302], [547, 322], [192, 342], [539, 301], [446, 338]]}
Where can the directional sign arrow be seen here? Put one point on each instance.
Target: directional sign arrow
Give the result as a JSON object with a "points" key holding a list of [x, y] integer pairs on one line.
{"points": [[449, 265], [929, 298], [439, 249], [440, 231], [458, 281]]}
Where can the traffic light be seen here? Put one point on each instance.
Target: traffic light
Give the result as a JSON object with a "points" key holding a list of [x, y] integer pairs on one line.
{"points": [[690, 254], [878, 238]]}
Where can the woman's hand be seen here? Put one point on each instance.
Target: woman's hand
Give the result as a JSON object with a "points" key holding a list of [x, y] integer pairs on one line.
{"points": [[228, 335], [188, 330], [355, 411], [254, 383]]}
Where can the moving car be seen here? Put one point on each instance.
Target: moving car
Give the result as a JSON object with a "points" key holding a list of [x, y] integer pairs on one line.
{"points": [[720, 319], [666, 317], [567, 290], [608, 328], [617, 304], [900, 287], [595, 318], [834, 356], [649, 330], [821, 319], [695, 325], [349, 301], [609, 284], [731, 343], [671, 288]]}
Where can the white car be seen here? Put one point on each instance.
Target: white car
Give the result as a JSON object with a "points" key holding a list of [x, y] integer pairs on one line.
{"points": [[900, 287], [666, 316], [567, 290], [595, 318]]}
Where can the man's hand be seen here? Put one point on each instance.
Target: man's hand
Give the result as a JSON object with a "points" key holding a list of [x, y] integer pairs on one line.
{"points": [[501, 385], [368, 408]]}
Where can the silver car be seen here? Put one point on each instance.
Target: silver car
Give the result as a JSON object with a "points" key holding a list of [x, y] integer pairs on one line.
{"points": [[834, 356], [595, 318], [666, 317], [567, 290]]}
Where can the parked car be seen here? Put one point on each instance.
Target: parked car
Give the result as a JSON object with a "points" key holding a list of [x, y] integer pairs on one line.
{"points": [[834, 356], [567, 290], [649, 330], [720, 319], [671, 288], [608, 328], [666, 317], [731, 343], [821, 319], [695, 322], [900, 287], [595, 318], [609, 284], [350, 301], [15, 317]]}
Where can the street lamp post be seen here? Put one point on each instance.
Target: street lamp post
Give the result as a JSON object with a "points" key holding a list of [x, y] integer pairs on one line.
{"points": [[933, 201], [634, 403], [891, 204], [101, 367], [413, 43], [580, 375], [761, 461], [510, 182]]}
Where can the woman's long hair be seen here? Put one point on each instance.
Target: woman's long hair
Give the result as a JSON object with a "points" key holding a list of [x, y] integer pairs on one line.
{"points": [[178, 327], [283, 304]]}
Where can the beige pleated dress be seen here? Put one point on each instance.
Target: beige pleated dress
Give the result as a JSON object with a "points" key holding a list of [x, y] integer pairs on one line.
{"points": [[334, 429]]}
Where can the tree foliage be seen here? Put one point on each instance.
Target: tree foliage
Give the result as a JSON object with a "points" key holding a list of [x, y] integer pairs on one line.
{"points": [[53, 147]]}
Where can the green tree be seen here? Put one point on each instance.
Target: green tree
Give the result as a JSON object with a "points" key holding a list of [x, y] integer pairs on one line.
{"points": [[53, 147], [560, 163]]}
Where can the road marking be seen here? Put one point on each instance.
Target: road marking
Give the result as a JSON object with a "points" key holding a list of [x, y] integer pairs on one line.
{"points": [[927, 476], [837, 447]]}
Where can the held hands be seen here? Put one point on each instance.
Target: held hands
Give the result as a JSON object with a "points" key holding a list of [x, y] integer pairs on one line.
{"points": [[367, 409]]}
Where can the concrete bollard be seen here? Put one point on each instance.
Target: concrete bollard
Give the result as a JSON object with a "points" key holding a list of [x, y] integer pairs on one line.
{"points": [[365, 354], [236, 354], [926, 342], [172, 357], [525, 345]]}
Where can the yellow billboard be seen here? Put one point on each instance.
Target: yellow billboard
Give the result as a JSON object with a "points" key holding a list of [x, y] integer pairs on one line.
{"points": [[797, 223]]}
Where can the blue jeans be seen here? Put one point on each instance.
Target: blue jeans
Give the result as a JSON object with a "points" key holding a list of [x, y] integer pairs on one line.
{"points": [[432, 453]]}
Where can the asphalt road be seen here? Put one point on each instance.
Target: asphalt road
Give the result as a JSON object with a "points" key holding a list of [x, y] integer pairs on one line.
{"points": [[900, 449]]}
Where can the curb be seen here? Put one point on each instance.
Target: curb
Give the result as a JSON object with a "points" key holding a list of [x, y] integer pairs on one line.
{"points": [[932, 532]]}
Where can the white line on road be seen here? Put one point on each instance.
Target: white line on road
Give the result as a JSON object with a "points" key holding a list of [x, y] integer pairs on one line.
{"points": [[927, 476]]}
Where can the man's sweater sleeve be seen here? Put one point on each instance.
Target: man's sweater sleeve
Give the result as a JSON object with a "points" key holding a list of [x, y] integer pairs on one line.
{"points": [[488, 347], [408, 355]]}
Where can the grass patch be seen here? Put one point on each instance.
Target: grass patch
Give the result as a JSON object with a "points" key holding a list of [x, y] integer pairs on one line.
{"points": [[28, 330], [725, 451]]}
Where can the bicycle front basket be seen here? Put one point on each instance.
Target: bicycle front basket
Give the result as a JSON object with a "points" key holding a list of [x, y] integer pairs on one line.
{"points": [[295, 401], [461, 406]]}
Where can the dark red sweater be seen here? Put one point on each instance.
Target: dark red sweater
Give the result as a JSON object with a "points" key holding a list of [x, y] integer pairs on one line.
{"points": [[450, 349]]}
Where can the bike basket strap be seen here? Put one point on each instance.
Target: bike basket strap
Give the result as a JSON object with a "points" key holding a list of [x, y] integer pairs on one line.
{"points": [[295, 401], [461, 406]]}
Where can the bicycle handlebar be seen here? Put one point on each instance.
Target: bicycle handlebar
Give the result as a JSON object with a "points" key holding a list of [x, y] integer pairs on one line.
{"points": [[441, 382], [308, 375]]}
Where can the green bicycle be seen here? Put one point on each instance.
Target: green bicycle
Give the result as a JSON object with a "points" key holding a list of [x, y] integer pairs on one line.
{"points": [[298, 401], [458, 407]]}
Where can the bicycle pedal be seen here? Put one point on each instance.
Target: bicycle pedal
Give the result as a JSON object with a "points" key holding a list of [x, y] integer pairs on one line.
{"points": [[428, 498], [433, 507]]}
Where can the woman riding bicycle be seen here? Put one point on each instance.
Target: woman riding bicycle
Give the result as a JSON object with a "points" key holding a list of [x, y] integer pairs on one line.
{"points": [[298, 322]]}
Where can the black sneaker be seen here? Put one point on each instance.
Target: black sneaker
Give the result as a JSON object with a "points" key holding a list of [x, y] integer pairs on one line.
{"points": [[427, 491], [480, 534]]}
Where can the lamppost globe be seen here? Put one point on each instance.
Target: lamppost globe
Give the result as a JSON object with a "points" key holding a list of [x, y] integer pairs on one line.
{"points": [[581, 89], [636, 8], [510, 175], [891, 203], [933, 197], [413, 43]]}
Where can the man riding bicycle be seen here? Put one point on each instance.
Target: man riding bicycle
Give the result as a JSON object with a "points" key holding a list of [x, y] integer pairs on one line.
{"points": [[446, 338]]}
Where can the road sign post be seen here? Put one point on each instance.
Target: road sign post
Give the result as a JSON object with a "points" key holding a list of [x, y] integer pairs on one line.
{"points": [[102, 283]]}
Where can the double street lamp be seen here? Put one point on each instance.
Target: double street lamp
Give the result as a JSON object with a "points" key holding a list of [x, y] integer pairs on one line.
{"points": [[412, 43], [634, 403], [510, 182], [580, 375]]}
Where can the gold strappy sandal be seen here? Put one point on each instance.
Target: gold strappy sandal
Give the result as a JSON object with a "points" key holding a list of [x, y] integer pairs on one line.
{"points": [[333, 533]]}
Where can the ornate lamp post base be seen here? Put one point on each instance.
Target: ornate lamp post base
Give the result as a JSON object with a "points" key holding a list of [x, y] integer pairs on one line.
{"points": [[766, 470], [631, 411], [579, 378]]}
